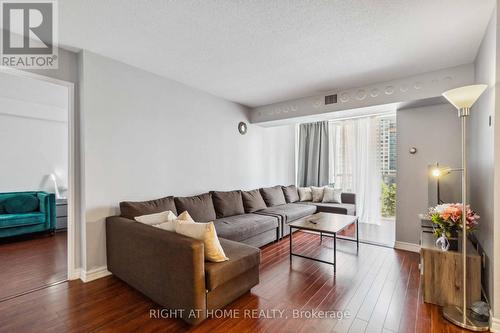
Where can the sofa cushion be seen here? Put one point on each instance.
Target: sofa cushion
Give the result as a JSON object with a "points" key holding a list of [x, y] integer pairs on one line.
{"points": [[131, 209], [332, 195], [242, 257], [252, 201], [227, 203], [273, 196], [317, 193], [241, 227], [291, 193], [19, 220], [305, 194], [290, 212], [348, 209], [200, 207], [21, 204]]}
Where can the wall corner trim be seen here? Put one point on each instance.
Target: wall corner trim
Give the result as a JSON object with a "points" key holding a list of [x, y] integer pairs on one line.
{"points": [[75, 274], [94, 273], [407, 246]]}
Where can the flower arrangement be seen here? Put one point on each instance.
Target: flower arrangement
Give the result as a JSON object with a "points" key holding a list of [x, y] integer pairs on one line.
{"points": [[448, 219]]}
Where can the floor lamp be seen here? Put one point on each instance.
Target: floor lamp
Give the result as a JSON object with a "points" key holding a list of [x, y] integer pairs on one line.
{"points": [[463, 98]]}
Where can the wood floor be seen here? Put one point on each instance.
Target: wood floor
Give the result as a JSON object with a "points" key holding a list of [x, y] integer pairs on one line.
{"points": [[379, 288], [29, 262]]}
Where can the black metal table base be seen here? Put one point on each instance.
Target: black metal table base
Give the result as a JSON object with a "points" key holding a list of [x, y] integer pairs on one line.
{"points": [[326, 234]]}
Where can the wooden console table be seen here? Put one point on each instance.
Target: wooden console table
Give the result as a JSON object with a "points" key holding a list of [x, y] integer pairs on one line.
{"points": [[441, 272]]}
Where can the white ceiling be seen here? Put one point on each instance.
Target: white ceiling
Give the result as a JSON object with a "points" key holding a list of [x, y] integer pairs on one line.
{"points": [[265, 51]]}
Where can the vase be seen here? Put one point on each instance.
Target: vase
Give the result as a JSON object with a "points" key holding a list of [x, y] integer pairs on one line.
{"points": [[453, 241]]}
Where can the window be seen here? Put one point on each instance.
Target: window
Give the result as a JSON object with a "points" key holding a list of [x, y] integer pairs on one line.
{"points": [[387, 156], [358, 145]]}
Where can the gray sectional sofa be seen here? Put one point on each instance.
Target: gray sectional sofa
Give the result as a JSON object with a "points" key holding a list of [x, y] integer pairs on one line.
{"points": [[170, 268]]}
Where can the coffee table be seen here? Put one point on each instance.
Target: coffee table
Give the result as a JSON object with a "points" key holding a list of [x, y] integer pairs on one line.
{"points": [[328, 225]]}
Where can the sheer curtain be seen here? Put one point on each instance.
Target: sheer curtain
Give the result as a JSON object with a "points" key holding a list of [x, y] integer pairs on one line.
{"points": [[354, 166]]}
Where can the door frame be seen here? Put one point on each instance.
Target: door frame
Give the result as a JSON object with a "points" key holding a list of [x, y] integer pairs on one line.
{"points": [[73, 272]]}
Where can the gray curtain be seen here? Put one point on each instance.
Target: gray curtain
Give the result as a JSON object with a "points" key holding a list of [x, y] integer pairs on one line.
{"points": [[313, 154]]}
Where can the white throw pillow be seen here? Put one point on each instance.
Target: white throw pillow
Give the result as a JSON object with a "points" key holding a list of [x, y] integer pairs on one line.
{"points": [[170, 225], [317, 193], [206, 233], [332, 195], [156, 218], [305, 194]]}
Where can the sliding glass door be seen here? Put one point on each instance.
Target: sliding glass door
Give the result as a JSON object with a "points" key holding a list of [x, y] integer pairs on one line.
{"points": [[363, 161]]}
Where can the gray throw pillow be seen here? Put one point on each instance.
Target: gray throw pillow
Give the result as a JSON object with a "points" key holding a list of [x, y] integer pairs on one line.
{"points": [[291, 193], [317, 193], [131, 209], [273, 196], [332, 195], [252, 201], [200, 207], [305, 194], [227, 203]]}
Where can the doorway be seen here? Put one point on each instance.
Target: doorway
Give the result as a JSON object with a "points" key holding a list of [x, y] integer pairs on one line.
{"points": [[36, 187]]}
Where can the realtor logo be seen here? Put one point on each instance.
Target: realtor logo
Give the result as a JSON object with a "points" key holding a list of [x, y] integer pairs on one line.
{"points": [[29, 34]]}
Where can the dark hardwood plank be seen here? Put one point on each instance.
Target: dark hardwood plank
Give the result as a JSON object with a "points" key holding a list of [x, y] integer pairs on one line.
{"points": [[379, 286], [30, 262]]}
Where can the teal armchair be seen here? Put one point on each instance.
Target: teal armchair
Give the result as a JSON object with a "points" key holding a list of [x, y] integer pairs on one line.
{"points": [[27, 212]]}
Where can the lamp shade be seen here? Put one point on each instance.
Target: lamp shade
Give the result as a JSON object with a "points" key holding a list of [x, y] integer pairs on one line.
{"points": [[464, 97]]}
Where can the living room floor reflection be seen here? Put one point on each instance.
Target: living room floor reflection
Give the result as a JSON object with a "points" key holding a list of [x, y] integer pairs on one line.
{"points": [[377, 234], [380, 234], [31, 262]]}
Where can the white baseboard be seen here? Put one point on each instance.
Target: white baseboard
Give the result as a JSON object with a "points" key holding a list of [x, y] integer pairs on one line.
{"points": [[94, 274], [75, 274], [407, 246], [495, 324]]}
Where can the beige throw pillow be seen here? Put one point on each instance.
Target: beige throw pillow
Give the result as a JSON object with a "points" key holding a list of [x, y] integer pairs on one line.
{"points": [[305, 194], [206, 233], [156, 218], [317, 193], [332, 195], [170, 225]]}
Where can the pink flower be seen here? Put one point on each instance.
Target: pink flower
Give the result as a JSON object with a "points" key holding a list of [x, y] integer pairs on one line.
{"points": [[452, 215]]}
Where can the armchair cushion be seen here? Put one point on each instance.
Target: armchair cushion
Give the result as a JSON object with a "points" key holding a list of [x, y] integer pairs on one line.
{"points": [[20, 204], [21, 220]]}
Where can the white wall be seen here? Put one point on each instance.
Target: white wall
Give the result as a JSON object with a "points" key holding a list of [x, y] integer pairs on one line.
{"points": [[496, 249], [435, 132], [146, 137], [482, 160], [33, 134]]}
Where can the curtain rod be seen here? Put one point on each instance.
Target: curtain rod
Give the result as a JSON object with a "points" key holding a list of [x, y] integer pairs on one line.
{"points": [[379, 114]]}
